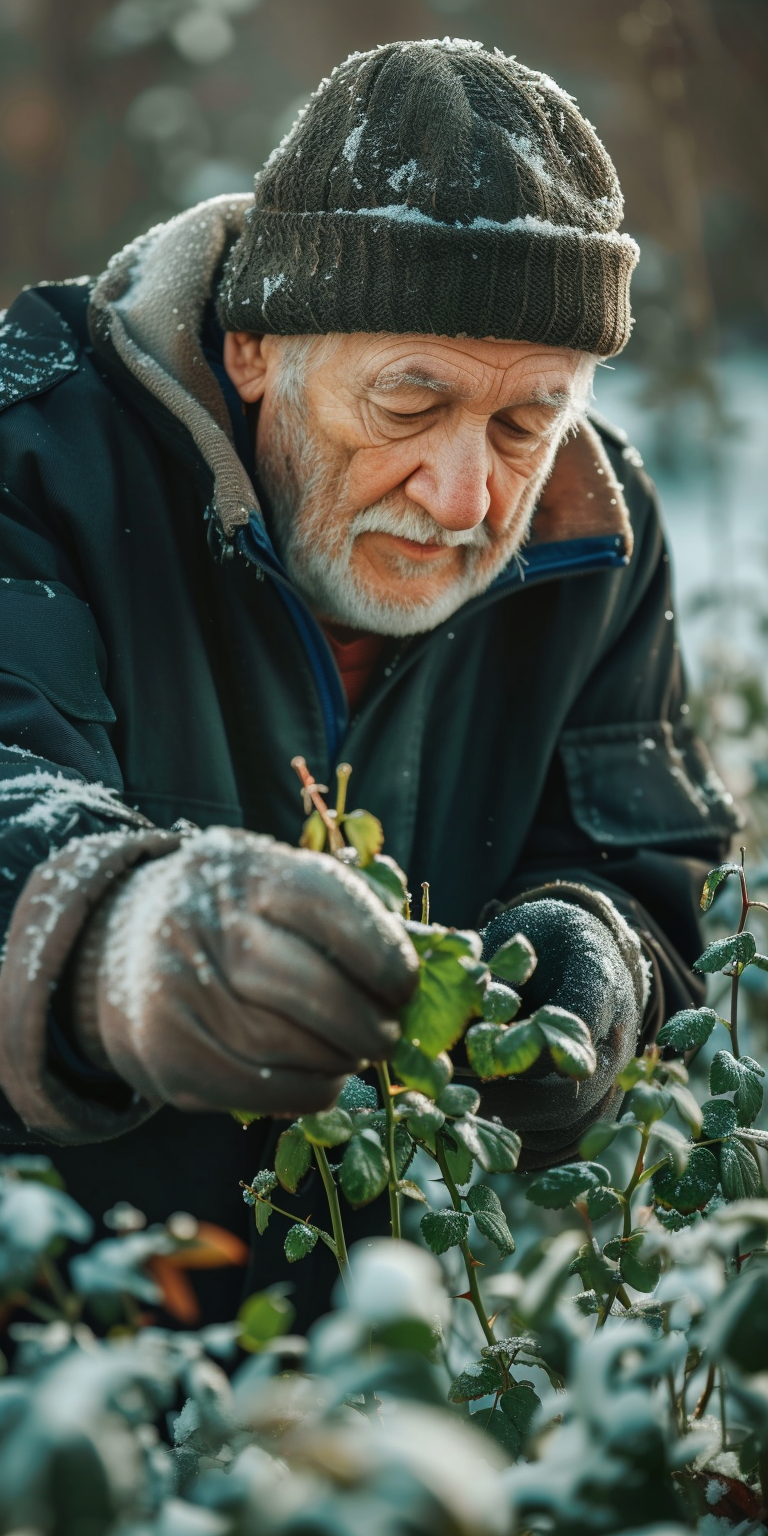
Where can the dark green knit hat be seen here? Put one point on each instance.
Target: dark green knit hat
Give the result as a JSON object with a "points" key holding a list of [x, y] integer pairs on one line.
{"points": [[434, 187]]}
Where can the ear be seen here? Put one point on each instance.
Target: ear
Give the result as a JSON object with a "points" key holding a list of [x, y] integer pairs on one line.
{"points": [[246, 364]]}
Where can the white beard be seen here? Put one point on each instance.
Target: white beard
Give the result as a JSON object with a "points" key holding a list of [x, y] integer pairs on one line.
{"points": [[316, 545]]}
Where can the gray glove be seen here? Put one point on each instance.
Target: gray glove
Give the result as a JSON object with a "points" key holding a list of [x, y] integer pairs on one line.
{"points": [[591, 962], [239, 973]]}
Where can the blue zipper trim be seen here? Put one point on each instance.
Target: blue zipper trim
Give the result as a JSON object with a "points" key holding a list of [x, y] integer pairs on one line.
{"points": [[255, 544], [569, 557], [566, 558]]}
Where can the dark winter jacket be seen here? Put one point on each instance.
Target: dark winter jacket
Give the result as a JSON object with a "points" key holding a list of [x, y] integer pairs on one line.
{"points": [[155, 664]]}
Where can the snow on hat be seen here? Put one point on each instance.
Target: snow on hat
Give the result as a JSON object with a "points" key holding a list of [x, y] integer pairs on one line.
{"points": [[435, 187]]}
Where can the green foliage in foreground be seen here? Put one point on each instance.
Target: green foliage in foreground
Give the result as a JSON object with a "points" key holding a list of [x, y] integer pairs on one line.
{"points": [[582, 1351]]}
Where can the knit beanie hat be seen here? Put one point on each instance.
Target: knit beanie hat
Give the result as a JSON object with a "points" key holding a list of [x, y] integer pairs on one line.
{"points": [[435, 187]]}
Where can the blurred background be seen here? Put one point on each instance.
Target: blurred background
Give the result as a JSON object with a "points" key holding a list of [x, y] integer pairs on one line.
{"points": [[116, 115]]}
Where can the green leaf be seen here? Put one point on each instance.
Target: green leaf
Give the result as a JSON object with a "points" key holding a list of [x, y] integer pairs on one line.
{"points": [[635, 1069], [265, 1316], [718, 1119], [292, 1158], [687, 1029], [416, 1070], [595, 1269], [724, 1073], [485, 1206], [328, 1129], [517, 1048], [569, 1041], [386, 878], [597, 1138], [475, 1381], [405, 1148], [713, 882], [480, 1041], [676, 1144], [424, 1118], [313, 833], [739, 1174], [727, 1074], [761, 961], [458, 1099], [692, 1190], [557, 1187], [444, 1229], [641, 1274], [648, 1102], [299, 1241], [262, 1214], [500, 1003], [365, 833], [748, 1097], [357, 1095], [446, 996], [461, 942], [490, 1143], [244, 1117], [364, 1168], [686, 1106], [601, 1201], [501, 1429], [730, 955], [460, 1161], [514, 961], [520, 1404]]}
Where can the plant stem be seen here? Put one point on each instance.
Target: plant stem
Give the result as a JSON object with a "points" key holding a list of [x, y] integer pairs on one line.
{"points": [[745, 904], [394, 1194], [343, 772], [734, 1016], [709, 1387], [69, 1305], [425, 901], [337, 1225], [278, 1209], [466, 1252], [723, 1424], [634, 1181]]}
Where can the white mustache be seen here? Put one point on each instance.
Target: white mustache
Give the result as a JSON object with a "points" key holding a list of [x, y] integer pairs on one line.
{"points": [[412, 522]]}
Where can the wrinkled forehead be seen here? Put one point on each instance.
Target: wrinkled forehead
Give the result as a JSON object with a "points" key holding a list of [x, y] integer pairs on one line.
{"points": [[459, 368]]}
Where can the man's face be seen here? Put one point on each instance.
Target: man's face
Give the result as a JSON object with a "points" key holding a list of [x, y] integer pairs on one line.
{"points": [[401, 480]]}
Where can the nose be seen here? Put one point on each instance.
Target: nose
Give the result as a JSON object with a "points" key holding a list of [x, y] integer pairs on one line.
{"points": [[451, 482]]}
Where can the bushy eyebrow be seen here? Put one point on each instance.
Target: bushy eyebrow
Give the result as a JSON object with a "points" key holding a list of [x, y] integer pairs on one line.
{"points": [[390, 380], [413, 378]]}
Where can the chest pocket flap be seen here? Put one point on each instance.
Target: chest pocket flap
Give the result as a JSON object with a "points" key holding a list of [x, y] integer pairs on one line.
{"points": [[645, 785], [49, 638]]}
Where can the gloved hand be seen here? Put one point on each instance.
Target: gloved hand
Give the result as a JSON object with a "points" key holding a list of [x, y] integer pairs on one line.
{"points": [[239, 973], [591, 962]]}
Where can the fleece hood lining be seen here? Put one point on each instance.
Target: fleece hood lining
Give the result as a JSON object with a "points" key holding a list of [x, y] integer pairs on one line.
{"points": [[148, 308]]}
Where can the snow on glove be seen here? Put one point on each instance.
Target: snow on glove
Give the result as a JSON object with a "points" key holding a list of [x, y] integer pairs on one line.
{"points": [[591, 962], [240, 973]]}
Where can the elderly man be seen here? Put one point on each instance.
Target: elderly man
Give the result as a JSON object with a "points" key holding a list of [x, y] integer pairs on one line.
{"points": [[313, 474]]}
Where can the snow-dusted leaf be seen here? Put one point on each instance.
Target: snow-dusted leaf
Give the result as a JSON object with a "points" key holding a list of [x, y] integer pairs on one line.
{"points": [[299, 1241], [687, 1029], [729, 955], [444, 1229], [555, 1188], [486, 1208]]}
